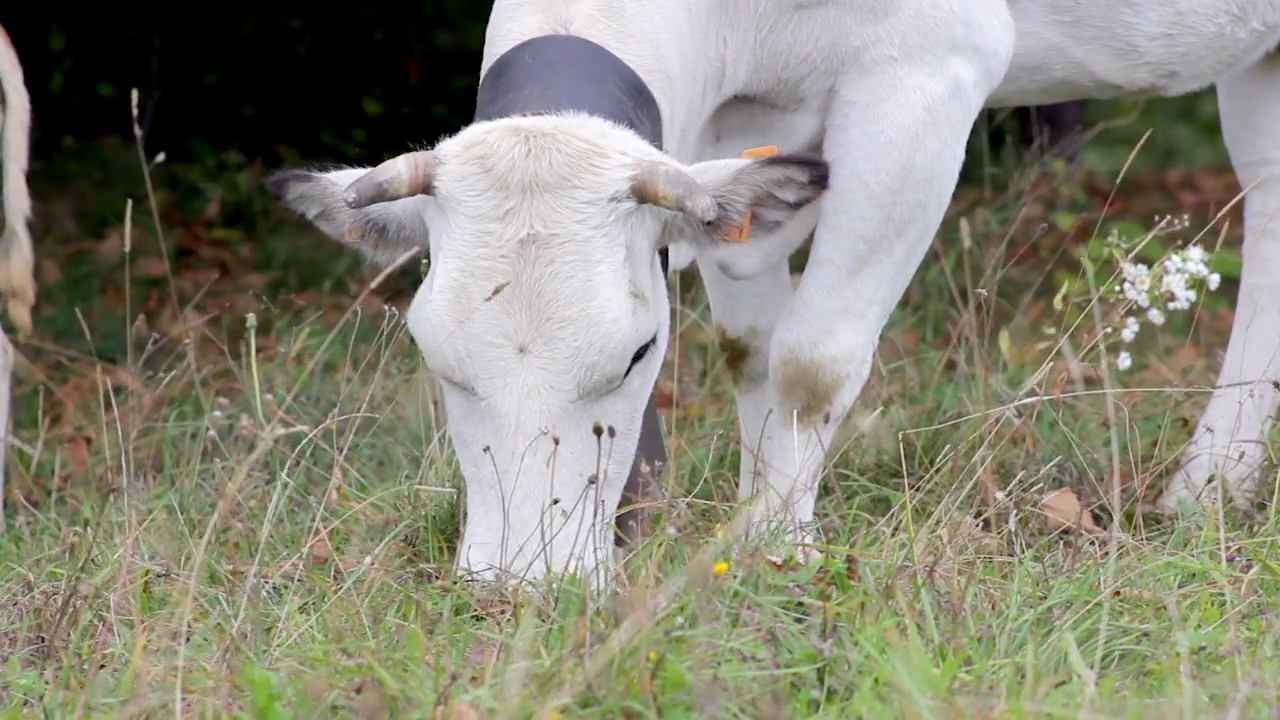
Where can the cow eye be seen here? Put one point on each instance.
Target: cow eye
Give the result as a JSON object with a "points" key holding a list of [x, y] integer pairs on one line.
{"points": [[640, 354]]}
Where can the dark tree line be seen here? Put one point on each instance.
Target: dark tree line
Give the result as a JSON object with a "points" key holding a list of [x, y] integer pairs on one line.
{"points": [[356, 82], [275, 80]]}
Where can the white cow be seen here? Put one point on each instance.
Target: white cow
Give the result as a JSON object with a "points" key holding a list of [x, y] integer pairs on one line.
{"points": [[545, 311], [17, 278]]}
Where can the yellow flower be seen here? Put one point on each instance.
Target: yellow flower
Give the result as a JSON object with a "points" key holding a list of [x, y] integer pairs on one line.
{"points": [[721, 567], [653, 656]]}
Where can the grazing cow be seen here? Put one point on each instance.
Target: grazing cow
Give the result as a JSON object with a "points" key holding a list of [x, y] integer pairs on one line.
{"points": [[607, 131], [17, 278]]}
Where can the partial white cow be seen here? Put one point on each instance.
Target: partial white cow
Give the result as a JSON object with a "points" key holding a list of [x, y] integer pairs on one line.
{"points": [[545, 311], [17, 277]]}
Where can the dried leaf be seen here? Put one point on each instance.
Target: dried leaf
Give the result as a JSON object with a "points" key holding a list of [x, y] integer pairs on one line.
{"points": [[110, 249], [254, 280], [320, 550], [148, 268], [370, 701], [457, 710], [50, 271], [140, 330], [988, 486], [663, 396], [76, 451], [481, 658], [1062, 509]]}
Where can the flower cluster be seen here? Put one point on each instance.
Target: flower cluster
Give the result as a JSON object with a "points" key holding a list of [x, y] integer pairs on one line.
{"points": [[1170, 286]]}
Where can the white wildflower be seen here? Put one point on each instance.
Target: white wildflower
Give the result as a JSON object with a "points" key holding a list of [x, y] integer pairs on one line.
{"points": [[1169, 285], [1130, 331], [1175, 286], [1124, 360], [1133, 271]]}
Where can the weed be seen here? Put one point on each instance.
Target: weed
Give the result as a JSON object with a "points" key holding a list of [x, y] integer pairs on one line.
{"points": [[249, 508]]}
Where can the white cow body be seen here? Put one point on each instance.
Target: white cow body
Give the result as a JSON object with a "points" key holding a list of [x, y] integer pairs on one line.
{"points": [[17, 258], [543, 280]]}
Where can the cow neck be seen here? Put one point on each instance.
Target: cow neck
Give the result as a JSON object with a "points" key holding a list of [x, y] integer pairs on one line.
{"points": [[559, 73]]}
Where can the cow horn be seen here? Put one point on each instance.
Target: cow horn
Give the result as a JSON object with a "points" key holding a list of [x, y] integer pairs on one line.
{"points": [[671, 188], [400, 177]]}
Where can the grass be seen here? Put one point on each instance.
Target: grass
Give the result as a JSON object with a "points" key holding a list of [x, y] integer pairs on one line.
{"points": [[256, 518]]}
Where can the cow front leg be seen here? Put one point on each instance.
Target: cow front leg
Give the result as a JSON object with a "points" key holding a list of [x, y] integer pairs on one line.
{"points": [[1228, 447], [895, 142], [745, 313]]}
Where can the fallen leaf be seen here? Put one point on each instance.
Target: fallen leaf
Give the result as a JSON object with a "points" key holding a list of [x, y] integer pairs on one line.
{"points": [[110, 249], [371, 700], [76, 451], [320, 550], [988, 487], [1062, 509], [457, 710], [50, 271], [663, 397], [481, 658], [148, 268]]}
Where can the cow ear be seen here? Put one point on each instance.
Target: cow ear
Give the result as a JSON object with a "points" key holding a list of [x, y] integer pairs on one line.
{"points": [[382, 231], [772, 189]]}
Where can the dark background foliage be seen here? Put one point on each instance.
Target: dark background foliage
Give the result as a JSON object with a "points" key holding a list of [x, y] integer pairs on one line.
{"points": [[353, 82]]}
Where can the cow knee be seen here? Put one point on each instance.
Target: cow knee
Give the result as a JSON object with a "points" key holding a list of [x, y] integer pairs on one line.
{"points": [[815, 385]]}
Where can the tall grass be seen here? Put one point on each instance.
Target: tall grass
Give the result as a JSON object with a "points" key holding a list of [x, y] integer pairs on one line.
{"points": [[262, 519]]}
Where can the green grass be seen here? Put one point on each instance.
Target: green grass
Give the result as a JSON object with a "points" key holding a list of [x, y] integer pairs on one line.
{"points": [[259, 522]]}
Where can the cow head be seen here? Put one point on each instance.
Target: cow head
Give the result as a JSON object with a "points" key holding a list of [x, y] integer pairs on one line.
{"points": [[544, 312]]}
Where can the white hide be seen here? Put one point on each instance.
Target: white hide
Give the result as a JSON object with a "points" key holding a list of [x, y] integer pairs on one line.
{"points": [[544, 284], [888, 90], [17, 259]]}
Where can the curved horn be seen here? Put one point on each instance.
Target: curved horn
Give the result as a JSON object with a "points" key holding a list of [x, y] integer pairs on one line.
{"points": [[671, 188], [400, 177]]}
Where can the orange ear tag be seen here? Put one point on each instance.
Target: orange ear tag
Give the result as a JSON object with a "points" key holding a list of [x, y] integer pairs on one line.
{"points": [[739, 233]]}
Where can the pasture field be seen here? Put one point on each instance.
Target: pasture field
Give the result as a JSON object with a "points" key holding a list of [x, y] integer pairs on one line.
{"points": [[242, 504]]}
